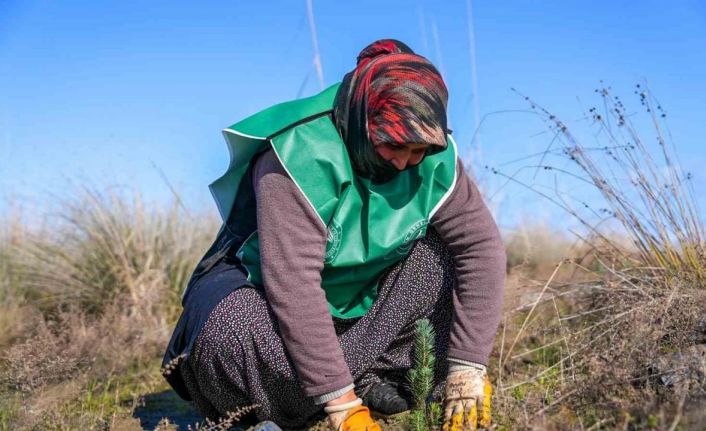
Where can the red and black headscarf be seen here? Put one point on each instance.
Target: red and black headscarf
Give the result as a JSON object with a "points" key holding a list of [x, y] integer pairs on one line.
{"points": [[392, 96]]}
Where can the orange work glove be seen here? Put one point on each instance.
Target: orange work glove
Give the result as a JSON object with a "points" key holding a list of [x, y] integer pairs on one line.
{"points": [[467, 400], [346, 418]]}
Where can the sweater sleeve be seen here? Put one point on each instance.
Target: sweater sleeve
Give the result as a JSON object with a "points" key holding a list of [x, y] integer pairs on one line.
{"points": [[466, 226], [292, 246]]}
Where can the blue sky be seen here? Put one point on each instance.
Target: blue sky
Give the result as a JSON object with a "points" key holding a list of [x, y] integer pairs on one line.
{"points": [[119, 93]]}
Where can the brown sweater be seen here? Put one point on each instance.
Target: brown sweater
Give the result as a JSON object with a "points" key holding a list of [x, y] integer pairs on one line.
{"points": [[292, 246]]}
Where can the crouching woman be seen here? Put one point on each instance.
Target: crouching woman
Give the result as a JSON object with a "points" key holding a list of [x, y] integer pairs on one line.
{"points": [[348, 216]]}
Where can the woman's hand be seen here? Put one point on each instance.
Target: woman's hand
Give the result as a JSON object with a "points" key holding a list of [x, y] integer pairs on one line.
{"points": [[346, 413], [467, 400]]}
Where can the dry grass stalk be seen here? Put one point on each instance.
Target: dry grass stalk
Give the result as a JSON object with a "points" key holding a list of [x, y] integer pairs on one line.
{"points": [[170, 366], [226, 422]]}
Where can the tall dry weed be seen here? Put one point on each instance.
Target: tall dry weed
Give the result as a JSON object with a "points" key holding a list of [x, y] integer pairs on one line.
{"points": [[624, 347], [642, 185]]}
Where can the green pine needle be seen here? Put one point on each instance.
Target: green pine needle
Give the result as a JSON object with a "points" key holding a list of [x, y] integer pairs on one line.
{"points": [[421, 377]]}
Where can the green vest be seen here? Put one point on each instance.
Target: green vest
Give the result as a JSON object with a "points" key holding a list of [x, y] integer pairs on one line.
{"points": [[370, 226]]}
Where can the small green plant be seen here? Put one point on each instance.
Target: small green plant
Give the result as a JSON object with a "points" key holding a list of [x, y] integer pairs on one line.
{"points": [[435, 413], [416, 421], [424, 415], [520, 392]]}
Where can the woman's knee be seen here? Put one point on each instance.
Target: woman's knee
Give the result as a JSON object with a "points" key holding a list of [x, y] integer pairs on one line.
{"points": [[230, 327], [428, 274], [429, 264], [431, 245]]}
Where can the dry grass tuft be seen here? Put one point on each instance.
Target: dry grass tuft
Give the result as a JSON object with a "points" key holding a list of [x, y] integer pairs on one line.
{"points": [[589, 353], [40, 360], [226, 422], [103, 245], [86, 299], [623, 345]]}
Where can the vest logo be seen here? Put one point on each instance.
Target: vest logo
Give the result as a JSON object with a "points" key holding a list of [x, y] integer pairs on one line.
{"points": [[416, 231], [333, 244]]}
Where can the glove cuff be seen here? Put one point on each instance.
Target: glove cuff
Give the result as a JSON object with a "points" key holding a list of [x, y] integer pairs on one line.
{"points": [[456, 365], [345, 406]]}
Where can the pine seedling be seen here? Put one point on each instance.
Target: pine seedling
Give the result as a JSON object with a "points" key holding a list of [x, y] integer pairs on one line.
{"points": [[420, 379], [416, 421]]}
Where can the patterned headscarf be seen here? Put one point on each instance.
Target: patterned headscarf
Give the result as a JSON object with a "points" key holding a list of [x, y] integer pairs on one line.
{"points": [[392, 96]]}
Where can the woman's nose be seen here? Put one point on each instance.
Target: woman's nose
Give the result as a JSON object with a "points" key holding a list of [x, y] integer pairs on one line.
{"points": [[400, 161]]}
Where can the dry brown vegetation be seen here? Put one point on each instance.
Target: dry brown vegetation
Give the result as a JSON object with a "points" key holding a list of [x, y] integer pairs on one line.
{"points": [[88, 301], [620, 343], [602, 329]]}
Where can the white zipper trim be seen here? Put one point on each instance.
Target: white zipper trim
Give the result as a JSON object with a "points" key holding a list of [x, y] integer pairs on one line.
{"points": [[235, 132], [453, 184]]}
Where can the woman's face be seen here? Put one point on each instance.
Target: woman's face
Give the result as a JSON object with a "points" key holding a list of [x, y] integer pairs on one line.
{"points": [[402, 156]]}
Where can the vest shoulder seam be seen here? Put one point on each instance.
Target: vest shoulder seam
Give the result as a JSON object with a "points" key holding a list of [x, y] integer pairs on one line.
{"points": [[300, 122]]}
